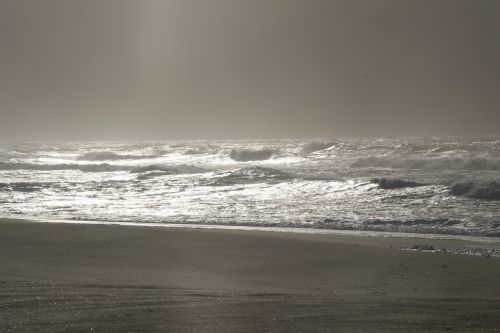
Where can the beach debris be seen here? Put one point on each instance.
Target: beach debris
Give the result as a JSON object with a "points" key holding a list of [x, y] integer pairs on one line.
{"points": [[423, 247], [475, 251]]}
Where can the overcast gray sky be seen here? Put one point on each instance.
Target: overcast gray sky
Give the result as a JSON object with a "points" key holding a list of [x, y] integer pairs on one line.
{"points": [[126, 69]]}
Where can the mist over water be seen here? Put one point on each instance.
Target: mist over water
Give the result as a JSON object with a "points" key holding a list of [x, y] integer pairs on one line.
{"points": [[421, 185]]}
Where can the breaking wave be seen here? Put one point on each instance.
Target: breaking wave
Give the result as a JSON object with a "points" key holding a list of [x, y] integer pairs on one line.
{"points": [[315, 146], [481, 190], [429, 163], [245, 155], [250, 175], [110, 156], [394, 183]]}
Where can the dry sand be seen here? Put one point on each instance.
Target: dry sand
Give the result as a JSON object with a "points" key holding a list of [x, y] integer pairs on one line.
{"points": [[104, 278]]}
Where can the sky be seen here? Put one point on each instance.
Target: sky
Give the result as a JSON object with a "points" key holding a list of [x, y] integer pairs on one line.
{"points": [[216, 69]]}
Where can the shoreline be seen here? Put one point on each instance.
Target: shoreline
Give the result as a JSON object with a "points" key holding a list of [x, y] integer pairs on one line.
{"points": [[110, 278], [292, 230]]}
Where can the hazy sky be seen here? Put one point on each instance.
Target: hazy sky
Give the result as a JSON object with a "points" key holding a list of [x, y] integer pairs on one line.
{"points": [[130, 69]]}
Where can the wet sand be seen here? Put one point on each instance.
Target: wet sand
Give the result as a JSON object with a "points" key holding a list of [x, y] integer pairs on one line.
{"points": [[104, 278]]}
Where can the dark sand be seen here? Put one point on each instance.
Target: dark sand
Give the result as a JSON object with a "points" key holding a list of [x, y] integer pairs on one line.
{"points": [[102, 278]]}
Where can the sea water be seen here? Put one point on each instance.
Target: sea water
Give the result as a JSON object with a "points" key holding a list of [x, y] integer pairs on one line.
{"points": [[448, 186]]}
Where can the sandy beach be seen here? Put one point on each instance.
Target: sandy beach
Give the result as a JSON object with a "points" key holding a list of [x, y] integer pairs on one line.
{"points": [[108, 278]]}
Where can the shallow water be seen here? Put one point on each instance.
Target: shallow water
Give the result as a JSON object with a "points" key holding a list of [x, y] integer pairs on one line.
{"points": [[426, 185]]}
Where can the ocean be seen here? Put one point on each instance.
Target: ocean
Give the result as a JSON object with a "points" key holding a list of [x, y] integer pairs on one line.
{"points": [[443, 186]]}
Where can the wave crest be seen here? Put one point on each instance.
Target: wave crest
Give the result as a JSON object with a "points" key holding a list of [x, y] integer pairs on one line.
{"points": [[24, 186], [394, 183], [429, 163], [110, 156], [481, 190], [250, 175], [315, 146], [194, 151], [103, 167], [167, 169], [245, 155]]}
